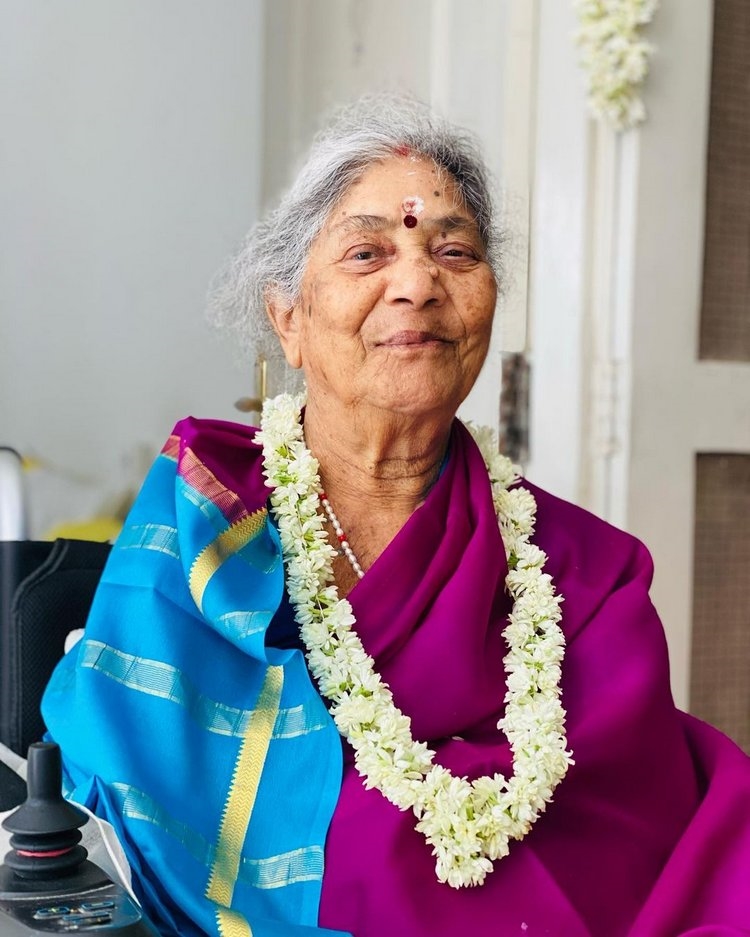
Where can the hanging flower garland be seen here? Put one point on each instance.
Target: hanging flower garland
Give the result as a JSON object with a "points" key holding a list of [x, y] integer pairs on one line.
{"points": [[615, 57], [468, 824]]}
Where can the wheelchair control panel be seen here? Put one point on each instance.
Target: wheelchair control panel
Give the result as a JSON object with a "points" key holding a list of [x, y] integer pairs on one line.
{"points": [[47, 883]]}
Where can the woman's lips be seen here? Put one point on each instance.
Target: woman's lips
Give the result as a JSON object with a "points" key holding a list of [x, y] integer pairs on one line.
{"points": [[411, 338]]}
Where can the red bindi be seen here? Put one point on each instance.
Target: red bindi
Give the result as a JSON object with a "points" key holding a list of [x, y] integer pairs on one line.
{"points": [[410, 221]]}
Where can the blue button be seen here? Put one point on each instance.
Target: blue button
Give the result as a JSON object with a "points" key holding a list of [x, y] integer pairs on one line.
{"points": [[45, 914], [96, 905]]}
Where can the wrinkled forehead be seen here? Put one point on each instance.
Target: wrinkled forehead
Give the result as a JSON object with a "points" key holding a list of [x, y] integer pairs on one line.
{"points": [[409, 188], [410, 218]]}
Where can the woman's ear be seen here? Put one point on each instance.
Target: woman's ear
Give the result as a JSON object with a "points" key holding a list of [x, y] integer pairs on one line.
{"points": [[284, 321]]}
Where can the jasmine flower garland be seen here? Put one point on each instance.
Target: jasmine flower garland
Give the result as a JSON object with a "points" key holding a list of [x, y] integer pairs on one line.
{"points": [[615, 57], [467, 824]]}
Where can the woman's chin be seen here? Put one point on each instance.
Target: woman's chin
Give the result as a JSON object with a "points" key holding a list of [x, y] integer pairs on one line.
{"points": [[418, 403], [429, 394]]}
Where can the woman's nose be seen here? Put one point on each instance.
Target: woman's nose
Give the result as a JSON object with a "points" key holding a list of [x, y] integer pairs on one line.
{"points": [[414, 281]]}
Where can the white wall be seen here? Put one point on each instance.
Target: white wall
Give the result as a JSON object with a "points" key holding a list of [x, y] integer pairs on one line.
{"points": [[130, 167]]}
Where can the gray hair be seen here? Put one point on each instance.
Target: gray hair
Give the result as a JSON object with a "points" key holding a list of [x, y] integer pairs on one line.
{"points": [[274, 255]]}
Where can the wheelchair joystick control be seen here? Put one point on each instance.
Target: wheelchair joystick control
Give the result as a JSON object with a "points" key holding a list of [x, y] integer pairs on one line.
{"points": [[47, 883], [46, 828]]}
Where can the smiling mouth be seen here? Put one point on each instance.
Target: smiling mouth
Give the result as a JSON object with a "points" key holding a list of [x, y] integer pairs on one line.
{"points": [[412, 339]]}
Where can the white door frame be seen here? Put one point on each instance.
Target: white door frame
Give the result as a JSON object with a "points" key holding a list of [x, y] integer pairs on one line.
{"points": [[621, 405]]}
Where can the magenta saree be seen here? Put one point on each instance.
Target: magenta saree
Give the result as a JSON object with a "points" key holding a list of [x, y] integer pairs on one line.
{"points": [[648, 835]]}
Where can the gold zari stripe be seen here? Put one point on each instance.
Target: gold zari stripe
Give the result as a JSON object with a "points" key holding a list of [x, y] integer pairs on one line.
{"points": [[228, 543], [155, 678], [158, 537], [286, 868], [244, 789], [232, 924]]}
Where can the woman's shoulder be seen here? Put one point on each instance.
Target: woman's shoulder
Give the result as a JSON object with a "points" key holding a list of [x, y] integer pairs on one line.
{"points": [[589, 559], [580, 546], [589, 537], [202, 432], [219, 451]]}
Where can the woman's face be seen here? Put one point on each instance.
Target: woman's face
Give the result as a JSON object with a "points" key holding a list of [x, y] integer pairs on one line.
{"points": [[397, 299]]}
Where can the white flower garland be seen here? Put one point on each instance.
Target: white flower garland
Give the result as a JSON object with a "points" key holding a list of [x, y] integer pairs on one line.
{"points": [[468, 824], [615, 56]]}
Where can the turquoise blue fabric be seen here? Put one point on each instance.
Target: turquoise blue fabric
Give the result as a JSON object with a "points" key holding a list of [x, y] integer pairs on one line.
{"points": [[171, 704]]}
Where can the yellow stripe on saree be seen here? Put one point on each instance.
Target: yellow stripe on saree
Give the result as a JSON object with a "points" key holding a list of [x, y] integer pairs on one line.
{"points": [[243, 790], [227, 544], [232, 924]]}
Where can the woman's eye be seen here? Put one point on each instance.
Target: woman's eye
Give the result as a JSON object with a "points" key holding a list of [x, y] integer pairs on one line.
{"points": [[456, 253], [363, 253]]}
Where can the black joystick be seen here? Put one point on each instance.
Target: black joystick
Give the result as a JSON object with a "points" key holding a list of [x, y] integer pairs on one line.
{"points": [[47, 884], [45, 829]]}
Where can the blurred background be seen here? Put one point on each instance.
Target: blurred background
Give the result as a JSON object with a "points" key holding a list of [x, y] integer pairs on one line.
{"points": [[141, 139]]}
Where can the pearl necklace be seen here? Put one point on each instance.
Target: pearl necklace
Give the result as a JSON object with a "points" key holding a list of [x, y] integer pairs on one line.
{"points": [[468, 824], [341, 536]]}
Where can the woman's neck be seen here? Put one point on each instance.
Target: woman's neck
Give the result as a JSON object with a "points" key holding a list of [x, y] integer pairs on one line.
{"points": [[381, 461]]}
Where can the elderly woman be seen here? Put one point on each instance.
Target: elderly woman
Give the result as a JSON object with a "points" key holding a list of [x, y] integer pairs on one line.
{"points": [[336, 706]]}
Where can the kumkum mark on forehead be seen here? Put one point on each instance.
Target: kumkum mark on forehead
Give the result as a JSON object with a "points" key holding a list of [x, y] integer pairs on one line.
{"points": [[412, 206]]}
